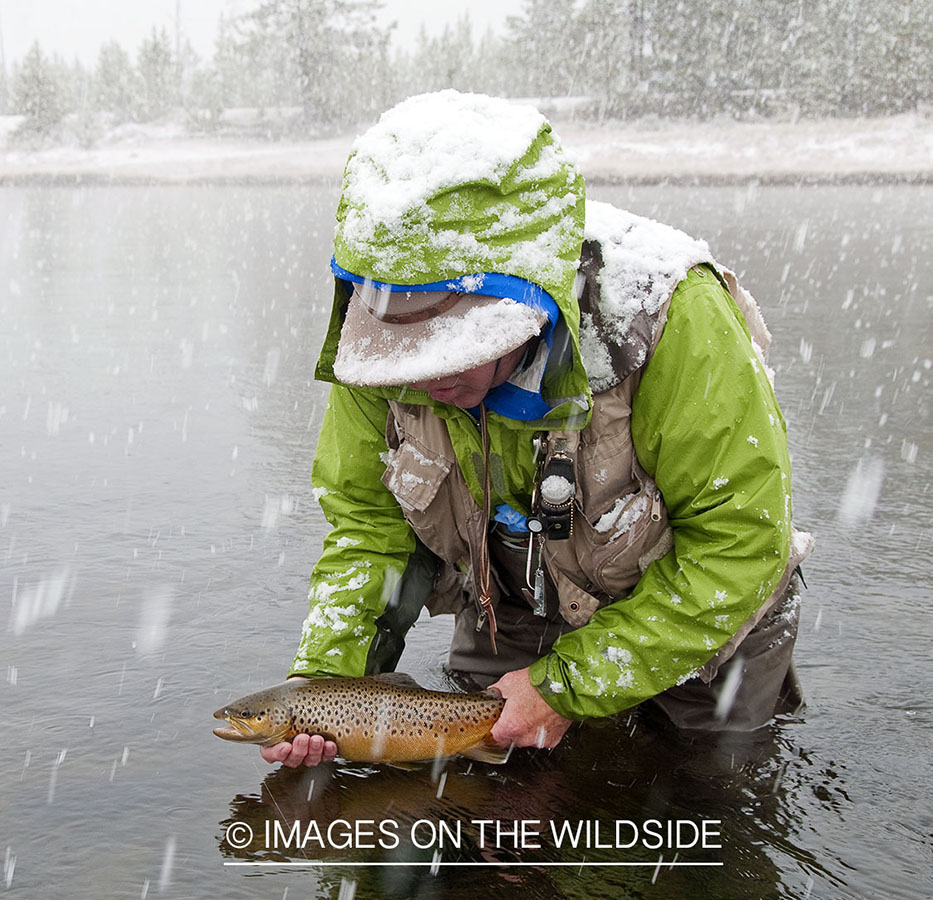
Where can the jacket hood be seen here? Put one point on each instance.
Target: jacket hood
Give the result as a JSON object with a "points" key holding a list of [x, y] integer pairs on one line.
{"points": [[454, 188]]}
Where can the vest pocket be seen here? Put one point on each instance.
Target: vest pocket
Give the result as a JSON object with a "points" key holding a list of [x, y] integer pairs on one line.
{"points": [[614, 551], [414, 475], [576, 605]]}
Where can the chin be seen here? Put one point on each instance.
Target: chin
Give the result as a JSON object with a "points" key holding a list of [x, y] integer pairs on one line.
{"points": [[457, 398], [468, 402]]}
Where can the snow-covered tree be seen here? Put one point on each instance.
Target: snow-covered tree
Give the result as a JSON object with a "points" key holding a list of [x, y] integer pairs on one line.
{"points": [[5, 98], [446, 60], [157, 76], [228, 72], [605, 57], [493, 66], [327, 56], [37, 93], [116, 84], [546, 44]]}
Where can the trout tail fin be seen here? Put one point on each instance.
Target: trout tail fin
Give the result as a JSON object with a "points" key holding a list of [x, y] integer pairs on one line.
{"points": [[488, 751]]}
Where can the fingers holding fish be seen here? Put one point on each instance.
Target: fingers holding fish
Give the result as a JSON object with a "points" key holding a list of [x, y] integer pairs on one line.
{"points": [[277, 753], [303, 749], [526, 720]]}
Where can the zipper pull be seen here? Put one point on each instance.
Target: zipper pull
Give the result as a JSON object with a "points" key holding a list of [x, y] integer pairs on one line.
{"points": [[486, 612], [539, 442], [656, 506], [493, 628]]}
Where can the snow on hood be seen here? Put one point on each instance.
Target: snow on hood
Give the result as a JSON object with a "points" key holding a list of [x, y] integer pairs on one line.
{"points": [[432, 142], [450, 184]]}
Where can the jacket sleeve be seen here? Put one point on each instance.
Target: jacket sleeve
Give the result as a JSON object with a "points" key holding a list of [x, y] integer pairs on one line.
{"points": [[370, 542], [706, 426]]}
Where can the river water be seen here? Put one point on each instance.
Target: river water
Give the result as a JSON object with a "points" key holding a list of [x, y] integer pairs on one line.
{"points": [[157, 423]]}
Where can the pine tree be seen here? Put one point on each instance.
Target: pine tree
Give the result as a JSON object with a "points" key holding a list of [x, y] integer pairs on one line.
{"points": [[37, 94], [493, 64], [157, 76], [116, 84], [546, 45], [227, 67], [328, 56], [902, 66], [607, 72], [447, 60]]}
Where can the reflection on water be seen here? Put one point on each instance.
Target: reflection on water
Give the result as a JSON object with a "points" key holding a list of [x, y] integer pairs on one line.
{"points": [[157, 424], [662, 790]]}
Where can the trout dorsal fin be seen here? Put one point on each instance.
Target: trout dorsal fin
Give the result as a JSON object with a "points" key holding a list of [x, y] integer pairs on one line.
{"points": [[397, 678], [488, 751]]}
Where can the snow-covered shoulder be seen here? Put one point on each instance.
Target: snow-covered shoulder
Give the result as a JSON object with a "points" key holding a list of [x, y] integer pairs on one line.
{"points": [[634, 247], [643, 261]]}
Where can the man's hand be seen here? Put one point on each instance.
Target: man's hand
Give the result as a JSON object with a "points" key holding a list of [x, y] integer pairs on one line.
{"points": [[303, 749], [527, 720]]}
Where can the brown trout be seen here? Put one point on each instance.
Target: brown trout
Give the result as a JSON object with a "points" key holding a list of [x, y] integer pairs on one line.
{"points": [[379, 718]]}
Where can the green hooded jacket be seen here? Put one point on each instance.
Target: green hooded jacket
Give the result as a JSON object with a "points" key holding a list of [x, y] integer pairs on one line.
{"points": [[705, 422]]}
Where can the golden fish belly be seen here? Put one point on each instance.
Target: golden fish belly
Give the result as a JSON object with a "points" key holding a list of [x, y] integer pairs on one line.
{"points": [[371, 721], [399, 742]]}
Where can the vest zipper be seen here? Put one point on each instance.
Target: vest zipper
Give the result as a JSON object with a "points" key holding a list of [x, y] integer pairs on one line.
{"points": [[656, 506]]}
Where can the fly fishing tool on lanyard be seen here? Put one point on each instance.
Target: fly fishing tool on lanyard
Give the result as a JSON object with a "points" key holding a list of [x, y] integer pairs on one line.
{"points": [[551, 507]]}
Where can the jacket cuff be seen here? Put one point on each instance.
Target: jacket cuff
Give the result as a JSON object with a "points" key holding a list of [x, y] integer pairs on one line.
{"points": [[546, 678]]}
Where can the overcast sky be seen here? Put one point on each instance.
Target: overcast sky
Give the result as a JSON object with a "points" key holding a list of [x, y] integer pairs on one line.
{"points": [[79, 27]]}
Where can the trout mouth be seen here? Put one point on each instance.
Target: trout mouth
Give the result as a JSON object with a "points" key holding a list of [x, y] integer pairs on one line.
{"points": [[238, 728]]}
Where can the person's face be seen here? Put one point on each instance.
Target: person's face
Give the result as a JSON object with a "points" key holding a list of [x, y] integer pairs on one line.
{"points": [[467, 389]]}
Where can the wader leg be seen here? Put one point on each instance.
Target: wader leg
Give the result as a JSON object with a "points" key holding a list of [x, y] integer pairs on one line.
{"points": [[522, 638], [402, 610], [761, 674]]}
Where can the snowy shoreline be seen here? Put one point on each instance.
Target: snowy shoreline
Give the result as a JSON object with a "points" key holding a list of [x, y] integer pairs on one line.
{"points": [[894, 149]]}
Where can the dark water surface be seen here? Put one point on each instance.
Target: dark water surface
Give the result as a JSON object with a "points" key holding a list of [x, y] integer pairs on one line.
{"points": [[157, 526]]}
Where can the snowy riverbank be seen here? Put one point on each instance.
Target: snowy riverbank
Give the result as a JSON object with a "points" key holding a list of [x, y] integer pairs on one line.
{"points": [[899, 148]]}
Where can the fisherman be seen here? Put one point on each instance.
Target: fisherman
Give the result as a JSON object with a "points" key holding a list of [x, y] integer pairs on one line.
{"points": [[553, 419]]}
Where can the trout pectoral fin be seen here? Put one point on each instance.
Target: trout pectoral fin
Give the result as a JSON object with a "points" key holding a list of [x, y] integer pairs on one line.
{"points": [[488, 751]]}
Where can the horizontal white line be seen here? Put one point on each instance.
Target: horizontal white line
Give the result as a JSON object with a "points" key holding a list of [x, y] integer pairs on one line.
{"points": [[322, 862]]}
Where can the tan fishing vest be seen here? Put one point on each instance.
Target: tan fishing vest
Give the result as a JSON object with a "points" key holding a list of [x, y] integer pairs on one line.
{"points": [[613, 542]]}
